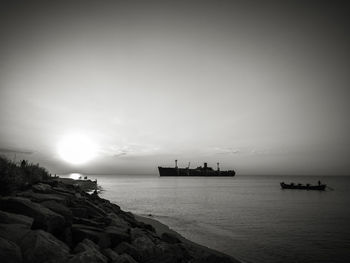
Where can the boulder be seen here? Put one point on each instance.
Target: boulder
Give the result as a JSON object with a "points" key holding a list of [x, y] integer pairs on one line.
{"points": [[44, 218], [127, 248], [42, 188], [213, 258], [13, 232], [170, 238], [88, 222], [146, 248], [81, 212], [117, 221], [117, 235], [86, 245], [110, 254], [9, 252], [40, 247], [171, 253], [60, 209], [39, 197], [10, 218], [97, 235], [124, 258], [88, 256], [88, 251]]}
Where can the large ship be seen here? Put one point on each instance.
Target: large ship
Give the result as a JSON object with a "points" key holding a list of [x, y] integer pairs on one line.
{"points": [[199, 171]]}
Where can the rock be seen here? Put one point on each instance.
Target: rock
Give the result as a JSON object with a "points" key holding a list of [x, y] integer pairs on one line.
{"points": [[40, 247], [125, 258], [9, 252], [42, 188], [88, 251], [88, 257], [44, 218], [86, 245], [117, 221], [59, 209], [39, 197], [80, 232], [146, 247], [117, 235], [170, 238], [127, 248], [81, 212], [10, 218], [88, 222], [13, 232], [172, 253], [110, 254], [213, 258]]}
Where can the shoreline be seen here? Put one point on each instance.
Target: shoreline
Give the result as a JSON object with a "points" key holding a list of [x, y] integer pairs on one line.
{"points": [[59, 222]]}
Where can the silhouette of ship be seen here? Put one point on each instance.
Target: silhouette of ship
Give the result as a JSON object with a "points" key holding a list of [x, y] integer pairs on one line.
{"points": [[320, 187], [199, 171]]}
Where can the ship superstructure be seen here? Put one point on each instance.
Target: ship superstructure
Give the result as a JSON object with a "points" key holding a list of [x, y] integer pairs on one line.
{"points": [[199, 171]]}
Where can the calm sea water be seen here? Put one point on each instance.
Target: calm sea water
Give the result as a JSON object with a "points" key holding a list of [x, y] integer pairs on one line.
{"points": [[248, 217]]}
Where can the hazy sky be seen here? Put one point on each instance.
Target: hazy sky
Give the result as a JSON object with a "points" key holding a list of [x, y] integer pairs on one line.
{"points": [[258, 86]]}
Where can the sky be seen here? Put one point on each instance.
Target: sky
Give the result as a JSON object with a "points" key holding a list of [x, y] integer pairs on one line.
{"points": [[260, 86]]}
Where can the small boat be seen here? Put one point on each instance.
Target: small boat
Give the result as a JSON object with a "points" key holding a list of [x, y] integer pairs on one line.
{"points": [[320, 187]]}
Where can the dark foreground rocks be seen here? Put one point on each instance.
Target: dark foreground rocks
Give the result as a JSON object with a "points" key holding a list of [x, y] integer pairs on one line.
{"points": [[56, 222]]}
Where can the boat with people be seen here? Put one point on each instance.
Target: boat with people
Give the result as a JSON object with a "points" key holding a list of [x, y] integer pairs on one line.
{"points": [[319, 186]]}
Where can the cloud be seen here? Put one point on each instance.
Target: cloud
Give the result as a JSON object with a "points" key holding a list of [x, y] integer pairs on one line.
{"points": [[15, 151], [226, 150], [131, 150]]}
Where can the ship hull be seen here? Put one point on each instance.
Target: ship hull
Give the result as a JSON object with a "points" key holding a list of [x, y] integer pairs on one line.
{"points": [[320, 187], [165, 171]]}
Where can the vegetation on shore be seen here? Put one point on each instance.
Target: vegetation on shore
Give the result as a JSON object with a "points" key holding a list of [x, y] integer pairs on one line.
{"points": [[18, 176]]}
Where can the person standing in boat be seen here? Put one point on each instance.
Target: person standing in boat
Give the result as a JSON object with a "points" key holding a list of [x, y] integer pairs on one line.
{"points": [[319, 182]]}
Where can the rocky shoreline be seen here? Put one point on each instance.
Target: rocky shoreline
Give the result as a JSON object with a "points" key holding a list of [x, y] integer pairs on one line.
{"points": [[52, 221]]}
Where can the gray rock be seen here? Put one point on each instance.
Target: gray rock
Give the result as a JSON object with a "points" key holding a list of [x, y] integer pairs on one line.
{"points": [[39, 246], [86, 245], [117, 235], [9, 252], [97, 235], [110, 254], [60, 209], [117, 221], [80, 212], [124, 258], [88, 251], [44, 218], [39, 197], [170, 238], [42, 188], [146, 248], [88, 222], [13, 232], [127, 248], [88, 257], [10, 218]]}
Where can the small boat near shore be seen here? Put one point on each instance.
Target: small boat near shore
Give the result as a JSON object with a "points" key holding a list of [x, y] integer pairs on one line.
{"points": [[319, 187]]}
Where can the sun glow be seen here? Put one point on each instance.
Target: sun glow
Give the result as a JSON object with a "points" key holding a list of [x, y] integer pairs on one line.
{"points": [[77, 149]]}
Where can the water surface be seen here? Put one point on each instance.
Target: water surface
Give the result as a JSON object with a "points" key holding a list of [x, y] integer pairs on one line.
{"points": [[248, 217]]}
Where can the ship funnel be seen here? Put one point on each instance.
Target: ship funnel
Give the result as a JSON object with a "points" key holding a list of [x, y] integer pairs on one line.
{"points": [[175, 163], [205, 165], [218, 168]]}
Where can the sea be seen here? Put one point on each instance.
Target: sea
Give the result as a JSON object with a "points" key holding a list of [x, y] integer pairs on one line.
{"points": [[248, 217]]}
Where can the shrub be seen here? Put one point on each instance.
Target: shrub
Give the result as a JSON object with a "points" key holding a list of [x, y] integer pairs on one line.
{"points": [[14, 177]]}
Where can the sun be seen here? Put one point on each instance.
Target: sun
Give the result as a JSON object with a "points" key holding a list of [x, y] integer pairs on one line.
{"points": [[77, 149]]}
